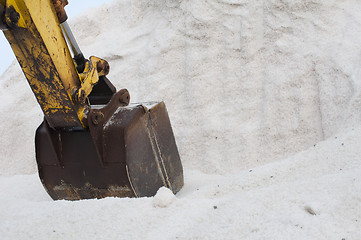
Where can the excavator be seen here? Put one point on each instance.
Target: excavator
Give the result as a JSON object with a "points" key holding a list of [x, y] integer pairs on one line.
{"points": [[93, 143]]}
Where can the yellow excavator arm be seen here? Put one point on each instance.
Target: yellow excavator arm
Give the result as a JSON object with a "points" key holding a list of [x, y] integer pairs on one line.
{"points": [[36, 37], [91, 143]]}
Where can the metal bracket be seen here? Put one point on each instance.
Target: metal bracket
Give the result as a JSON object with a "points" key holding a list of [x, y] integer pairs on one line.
{"points": [[94, 68], [97, 118], [59, 9]]}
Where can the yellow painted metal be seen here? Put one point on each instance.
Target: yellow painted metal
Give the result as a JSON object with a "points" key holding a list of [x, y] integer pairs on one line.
{"points": [[43, 54], [44, 17]]}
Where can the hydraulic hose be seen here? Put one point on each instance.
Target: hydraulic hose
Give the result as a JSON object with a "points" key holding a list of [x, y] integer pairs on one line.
{"points": [[78, 55]]}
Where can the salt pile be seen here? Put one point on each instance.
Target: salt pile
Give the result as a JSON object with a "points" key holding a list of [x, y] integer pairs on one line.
{"points": [[264, 99]]}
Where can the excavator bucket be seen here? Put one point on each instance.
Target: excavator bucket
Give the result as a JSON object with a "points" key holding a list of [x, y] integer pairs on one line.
{"points": [[127, 151]]}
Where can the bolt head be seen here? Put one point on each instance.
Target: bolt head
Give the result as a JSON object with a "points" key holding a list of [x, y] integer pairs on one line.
{"points": [[97, 118]]}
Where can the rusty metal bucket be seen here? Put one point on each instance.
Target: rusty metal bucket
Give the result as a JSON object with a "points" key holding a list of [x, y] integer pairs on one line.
{"points": [[127, 151]]}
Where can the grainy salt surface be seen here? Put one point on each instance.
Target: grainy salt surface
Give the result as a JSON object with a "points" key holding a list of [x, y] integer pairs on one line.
{"points": [[264, 99]]}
